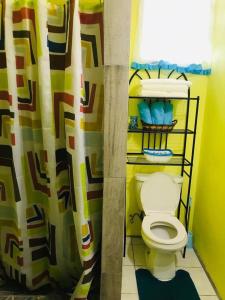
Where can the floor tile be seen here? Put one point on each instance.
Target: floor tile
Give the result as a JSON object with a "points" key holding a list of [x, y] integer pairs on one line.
{"points": [[128, 260], [190, 260], [128, 239], [140, 267], [129, 284], [209, 298], [137, 241], [191, 264], [201, 281], [24, 298], [139, 255], [31, 297], [129, 297]]}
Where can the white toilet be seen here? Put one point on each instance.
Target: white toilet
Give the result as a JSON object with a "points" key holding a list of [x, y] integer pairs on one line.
{"points": [[158, 196]]}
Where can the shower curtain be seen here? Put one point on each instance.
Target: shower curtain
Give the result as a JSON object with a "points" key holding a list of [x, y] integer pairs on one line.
{"points": [[51, 106]]}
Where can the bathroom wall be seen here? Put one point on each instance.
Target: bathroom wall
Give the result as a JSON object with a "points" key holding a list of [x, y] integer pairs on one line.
{"points": [[89, 3], [86, 5], [209, 216], [199, 88]]}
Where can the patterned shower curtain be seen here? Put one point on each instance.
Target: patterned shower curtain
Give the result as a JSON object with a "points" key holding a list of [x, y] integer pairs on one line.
{"points": [[51, 106]]}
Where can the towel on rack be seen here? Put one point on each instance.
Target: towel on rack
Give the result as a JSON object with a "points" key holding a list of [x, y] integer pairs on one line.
{"points": [[168, 113], [166, 81], [145, 113], [162, 94], [165, 88], [157, 112]]}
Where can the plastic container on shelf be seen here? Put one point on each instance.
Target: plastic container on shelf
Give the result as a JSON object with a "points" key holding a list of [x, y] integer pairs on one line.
{"points": [[158, 155]]}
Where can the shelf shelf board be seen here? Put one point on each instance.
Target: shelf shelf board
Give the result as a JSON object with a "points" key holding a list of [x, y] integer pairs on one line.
{"points": [[174, 131], [166, 98], [141, 160]]}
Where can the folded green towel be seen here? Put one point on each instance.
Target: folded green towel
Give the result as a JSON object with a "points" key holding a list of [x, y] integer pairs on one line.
{"points": [[145, 113], [168, 113], [157, 112]]}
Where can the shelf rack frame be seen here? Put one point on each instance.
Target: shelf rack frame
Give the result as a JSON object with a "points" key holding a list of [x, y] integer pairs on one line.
{"points": [[180, 159]]}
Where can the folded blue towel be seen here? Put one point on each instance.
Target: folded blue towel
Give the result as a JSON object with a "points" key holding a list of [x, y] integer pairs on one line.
{"points": [[145, 113], [157, 112], [168, 113]]}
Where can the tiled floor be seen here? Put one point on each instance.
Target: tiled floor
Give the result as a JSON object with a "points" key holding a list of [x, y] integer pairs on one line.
{"points": [[135, 259], [12, 291]]}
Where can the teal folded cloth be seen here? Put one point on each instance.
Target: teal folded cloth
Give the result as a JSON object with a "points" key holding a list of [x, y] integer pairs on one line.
{"points": [[145, 112], [157, 112], [168, 113]]}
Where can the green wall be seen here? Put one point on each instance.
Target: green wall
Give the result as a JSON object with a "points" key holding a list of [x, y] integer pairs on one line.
{"points": [[209, 217], [86, 5]]}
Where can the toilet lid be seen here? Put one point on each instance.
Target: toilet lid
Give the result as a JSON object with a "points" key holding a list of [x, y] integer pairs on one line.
{"points": [[160, 193]]}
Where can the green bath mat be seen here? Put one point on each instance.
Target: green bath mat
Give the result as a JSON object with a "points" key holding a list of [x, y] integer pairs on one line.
{"points": [[179, 288]]}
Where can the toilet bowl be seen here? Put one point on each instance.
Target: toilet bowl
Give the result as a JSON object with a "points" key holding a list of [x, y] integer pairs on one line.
{"points": [[158, 196]]}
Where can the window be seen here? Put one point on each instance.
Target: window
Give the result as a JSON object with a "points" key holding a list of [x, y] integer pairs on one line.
{"points": [[175, 32]]}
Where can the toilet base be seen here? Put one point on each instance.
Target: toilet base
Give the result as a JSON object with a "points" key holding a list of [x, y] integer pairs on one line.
{"points": [[161, 264]]}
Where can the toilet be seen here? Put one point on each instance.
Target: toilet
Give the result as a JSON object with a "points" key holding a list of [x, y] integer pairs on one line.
{"points": [[158, 196]]}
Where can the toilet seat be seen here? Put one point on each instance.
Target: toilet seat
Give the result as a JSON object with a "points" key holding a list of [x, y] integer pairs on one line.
{"points": [[167, 220]]}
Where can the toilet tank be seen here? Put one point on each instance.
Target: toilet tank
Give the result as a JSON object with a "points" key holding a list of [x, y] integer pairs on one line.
{"points": [[141, 177]]}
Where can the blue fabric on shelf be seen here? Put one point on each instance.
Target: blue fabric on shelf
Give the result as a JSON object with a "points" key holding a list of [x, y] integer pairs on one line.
{"points": [[164, 65], [168, 113], [145, 113], [157, 112]]}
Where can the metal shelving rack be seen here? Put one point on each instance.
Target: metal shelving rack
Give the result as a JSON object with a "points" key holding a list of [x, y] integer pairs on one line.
{"points": [[159, 139]]}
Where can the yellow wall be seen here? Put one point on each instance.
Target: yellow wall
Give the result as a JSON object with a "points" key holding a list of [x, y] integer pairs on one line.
{"points": [[209, 217], [91, 5], [199, 88]]}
